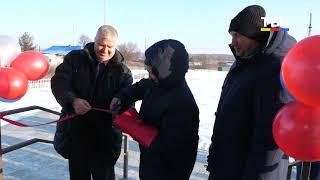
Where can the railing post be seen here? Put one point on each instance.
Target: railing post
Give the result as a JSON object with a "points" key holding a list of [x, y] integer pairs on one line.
{"points": [[290, 167], [305, 170], [125, 158], [289, 173], [1, 164]]}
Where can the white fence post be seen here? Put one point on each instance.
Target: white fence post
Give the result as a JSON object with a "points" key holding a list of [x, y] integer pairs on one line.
{"points": [[42, 83]]}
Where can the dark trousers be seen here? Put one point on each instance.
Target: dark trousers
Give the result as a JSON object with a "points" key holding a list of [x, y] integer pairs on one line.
{"points": [[80, 170], [92, 151], [87, 162], [210, 176], [314, 171]]}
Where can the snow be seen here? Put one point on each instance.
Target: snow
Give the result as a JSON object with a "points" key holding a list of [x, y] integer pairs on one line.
{"points": [[204, 84]]}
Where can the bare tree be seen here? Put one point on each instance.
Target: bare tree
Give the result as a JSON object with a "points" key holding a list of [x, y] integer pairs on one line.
{"points": [[84, 39], [130, 51], [26, 42]]}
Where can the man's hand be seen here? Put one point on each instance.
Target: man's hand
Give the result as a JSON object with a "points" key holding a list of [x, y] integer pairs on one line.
{"points": [[115, 104], [81, 106]]}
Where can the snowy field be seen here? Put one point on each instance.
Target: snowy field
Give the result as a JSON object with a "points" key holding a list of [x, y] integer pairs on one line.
{"points": [[205, 85]]}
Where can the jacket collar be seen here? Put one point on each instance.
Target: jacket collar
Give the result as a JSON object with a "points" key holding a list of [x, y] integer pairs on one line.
{"points": [[253, 58]]}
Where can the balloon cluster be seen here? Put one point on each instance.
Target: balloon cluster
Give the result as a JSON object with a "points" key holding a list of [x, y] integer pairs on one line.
{"points": [[296, 128], [17, 68]]}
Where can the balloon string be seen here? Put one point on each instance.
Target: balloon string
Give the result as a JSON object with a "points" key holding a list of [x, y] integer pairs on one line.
{"points": [[68, 117]]}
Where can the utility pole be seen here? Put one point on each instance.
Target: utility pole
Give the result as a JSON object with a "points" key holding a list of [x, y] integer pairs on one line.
{"points": [[104, 11], [1, 163], [306, 166], [145, 43], [310, 25], [73, 27]]}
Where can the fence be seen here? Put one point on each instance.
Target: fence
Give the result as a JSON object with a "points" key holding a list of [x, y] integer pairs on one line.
{"points": [[42, 83], [45, 83]]}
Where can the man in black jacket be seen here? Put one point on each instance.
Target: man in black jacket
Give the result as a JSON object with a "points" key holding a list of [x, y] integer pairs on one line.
{"points": [[90, 78], [242, 146]]}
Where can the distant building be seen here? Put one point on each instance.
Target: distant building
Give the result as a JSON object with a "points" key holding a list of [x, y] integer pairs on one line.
{"points": [[223, 68], [60, 50], [55, 54]]}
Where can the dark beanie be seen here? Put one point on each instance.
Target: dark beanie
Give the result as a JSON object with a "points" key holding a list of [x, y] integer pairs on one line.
{"points": [[248, 22]]}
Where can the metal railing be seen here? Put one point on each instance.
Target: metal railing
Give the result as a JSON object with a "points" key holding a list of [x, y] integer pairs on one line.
{"points": [[305, 166], [42, 83], [305, 169], [36, 140]]}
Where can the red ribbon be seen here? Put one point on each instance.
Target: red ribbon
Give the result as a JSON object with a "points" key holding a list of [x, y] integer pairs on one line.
{"points": [[68, 117], [104, 110]]}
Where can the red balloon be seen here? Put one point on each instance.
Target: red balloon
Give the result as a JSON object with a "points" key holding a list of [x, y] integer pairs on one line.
{"points": [[300, 71], [296, 130], [32, 63], [13, 83]]}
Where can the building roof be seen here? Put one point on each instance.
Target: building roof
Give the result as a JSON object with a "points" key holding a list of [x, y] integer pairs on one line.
{"points": [[60, 50]]}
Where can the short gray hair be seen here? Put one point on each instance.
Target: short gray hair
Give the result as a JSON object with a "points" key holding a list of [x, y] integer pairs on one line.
{"points": [[106, 31]]}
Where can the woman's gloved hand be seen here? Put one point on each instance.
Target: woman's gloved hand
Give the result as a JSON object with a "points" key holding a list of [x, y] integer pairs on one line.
{"points": [[115, 105]]}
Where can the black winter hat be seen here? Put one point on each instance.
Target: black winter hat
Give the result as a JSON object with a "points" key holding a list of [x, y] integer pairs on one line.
{"points": [[167, 58], [248, 22]]}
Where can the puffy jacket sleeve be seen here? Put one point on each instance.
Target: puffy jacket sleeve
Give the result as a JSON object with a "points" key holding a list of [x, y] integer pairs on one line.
{"points": [[126, 79], [179, 125], [126, 82], [264, 156], [61, 83], [134, 92]]}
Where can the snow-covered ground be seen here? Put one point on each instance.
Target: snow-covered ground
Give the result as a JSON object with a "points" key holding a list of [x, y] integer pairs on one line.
{"points": [[206, 88], [205, 85]]}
